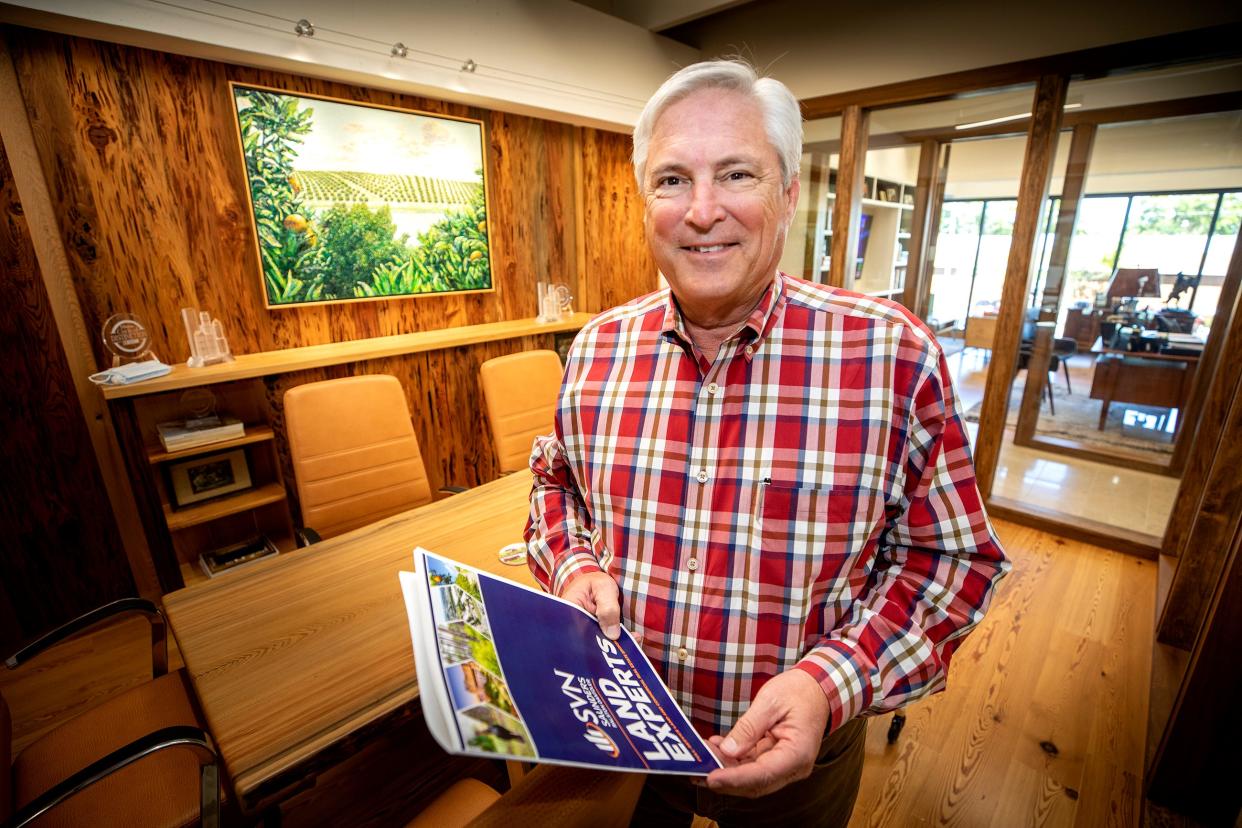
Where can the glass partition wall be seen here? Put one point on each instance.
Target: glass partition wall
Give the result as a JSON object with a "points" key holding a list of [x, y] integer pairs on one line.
{"points": [[1109, 401], [1142, 280], [938, 212]]}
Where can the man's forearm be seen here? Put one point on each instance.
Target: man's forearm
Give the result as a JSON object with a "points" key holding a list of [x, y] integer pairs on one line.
{"points": [[558, 531]]}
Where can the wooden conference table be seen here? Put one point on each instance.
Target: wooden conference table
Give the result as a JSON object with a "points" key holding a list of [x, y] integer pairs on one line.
{"points": [[294, 657]]}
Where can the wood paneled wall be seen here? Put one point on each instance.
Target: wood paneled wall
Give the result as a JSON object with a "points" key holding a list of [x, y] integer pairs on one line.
{"points": [[612, 209], [61, 553], [140, 154], [140, 151]]}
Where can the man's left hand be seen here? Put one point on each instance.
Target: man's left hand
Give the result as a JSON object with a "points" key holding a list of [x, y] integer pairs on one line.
{"points": [[776, 740]]}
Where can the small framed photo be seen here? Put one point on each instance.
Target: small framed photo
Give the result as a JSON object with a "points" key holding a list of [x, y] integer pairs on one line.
{"points": [[209, 476]]}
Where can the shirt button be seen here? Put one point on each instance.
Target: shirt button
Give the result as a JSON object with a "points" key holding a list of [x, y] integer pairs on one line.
{"points": [[702, 476], [713, 389], [692, 564], [682, 653]]}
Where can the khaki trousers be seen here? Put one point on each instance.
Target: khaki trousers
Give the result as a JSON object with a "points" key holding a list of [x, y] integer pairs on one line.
{"points": [[825, 798]]}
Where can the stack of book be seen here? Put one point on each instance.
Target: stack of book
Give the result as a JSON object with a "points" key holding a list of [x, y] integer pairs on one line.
{"points": [[231, 557], [188, 434]]}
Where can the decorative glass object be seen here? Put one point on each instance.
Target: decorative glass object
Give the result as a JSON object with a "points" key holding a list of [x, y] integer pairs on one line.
{"points": [[554, 301], [126, 338], [207, 343]]}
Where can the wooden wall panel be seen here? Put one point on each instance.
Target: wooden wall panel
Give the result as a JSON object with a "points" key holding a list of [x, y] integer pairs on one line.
{"points": [[140, 150], [618, 265], [62, 552]]}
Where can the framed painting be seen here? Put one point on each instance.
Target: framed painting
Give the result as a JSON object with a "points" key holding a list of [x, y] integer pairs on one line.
{"points": [[355, 202]]}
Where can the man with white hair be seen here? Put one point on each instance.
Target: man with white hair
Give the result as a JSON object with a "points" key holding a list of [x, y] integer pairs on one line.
{"points": [[766, 479]]}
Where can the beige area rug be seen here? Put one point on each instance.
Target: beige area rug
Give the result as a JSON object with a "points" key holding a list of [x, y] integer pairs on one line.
{"points": [[1078, 416]]}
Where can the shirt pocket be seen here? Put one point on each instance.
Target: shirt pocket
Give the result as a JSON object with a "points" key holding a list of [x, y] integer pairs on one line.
{"points": [[812, 554]]}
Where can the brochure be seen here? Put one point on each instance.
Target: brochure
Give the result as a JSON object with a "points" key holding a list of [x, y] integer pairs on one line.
{"points": [[506, 671]]}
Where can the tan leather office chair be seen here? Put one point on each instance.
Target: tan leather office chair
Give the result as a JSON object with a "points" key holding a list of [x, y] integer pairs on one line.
{"points": [[139, 758], [520, 391], [355, 457]]}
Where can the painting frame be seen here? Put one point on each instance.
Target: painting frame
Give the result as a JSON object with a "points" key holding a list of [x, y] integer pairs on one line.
{"points": [[290, 216], [208, 476]]}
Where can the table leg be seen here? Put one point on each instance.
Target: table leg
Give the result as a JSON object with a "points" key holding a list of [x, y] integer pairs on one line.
{"points": [[1104, 413]]}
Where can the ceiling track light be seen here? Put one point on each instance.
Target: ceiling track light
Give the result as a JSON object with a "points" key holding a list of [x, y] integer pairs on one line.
{"points": [[304, 28], [469, 65], [400, 50]]}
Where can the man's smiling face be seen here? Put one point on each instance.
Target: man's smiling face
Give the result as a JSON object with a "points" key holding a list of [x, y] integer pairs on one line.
{"points": [[716, 210]]}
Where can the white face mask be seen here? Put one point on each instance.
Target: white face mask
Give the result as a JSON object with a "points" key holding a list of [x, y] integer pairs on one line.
{"points": [[131, 372]]}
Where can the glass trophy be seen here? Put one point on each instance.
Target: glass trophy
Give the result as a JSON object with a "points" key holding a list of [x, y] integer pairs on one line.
{"points": [[554, 301], [127, 339], [198, 405], [208, 345]]}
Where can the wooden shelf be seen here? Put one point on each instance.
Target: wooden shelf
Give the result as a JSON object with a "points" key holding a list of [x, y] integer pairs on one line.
{"points": [[254, 434], [213, 510], [268, 363]]}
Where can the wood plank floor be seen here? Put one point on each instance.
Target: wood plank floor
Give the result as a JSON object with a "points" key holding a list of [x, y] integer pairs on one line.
{"points": [[1043, 721], [1044, 718]]}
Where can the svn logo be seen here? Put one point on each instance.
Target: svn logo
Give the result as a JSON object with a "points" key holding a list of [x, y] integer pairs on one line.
{"points": [[596, 736]]}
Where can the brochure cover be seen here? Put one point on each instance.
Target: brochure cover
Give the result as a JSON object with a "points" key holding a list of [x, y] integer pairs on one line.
{"points": [[505, 671]]}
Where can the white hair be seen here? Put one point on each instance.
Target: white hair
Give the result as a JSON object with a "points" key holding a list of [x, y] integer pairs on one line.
{"points": [[782, 118]]}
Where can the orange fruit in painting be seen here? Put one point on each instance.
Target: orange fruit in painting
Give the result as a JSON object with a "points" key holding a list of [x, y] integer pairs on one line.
{"points": [[295, 184], [296, 223], [482, 226], [476, 255]]}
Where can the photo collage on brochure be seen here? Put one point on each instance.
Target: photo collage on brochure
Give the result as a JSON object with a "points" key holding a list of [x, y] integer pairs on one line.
{"points": [[487, 718]]}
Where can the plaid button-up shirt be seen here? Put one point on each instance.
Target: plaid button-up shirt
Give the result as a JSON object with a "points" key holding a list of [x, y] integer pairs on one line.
{"points": [[805, 500]]}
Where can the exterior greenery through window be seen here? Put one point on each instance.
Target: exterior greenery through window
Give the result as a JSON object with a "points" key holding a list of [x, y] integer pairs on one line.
{"points": [[1189, 233]]}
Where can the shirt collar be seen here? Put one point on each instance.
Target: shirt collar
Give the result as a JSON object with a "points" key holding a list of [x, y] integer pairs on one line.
{"points": [[756, 327]]}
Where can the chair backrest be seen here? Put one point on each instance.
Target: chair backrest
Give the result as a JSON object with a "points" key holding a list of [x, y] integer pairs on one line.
{"points": [[980, 332], [520, 391], [355, 456]]}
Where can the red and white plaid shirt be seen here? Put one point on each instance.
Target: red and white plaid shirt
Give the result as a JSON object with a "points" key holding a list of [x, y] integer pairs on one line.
{"points": [[807, 499]]}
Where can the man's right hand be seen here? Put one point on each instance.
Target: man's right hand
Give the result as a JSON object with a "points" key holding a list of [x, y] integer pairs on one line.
{"points": [[597, 593]]}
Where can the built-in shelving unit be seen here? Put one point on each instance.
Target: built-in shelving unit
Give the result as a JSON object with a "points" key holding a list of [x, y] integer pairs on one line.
{"points": [[180, 532], [888, 210], [218, 522], [269, 363]]}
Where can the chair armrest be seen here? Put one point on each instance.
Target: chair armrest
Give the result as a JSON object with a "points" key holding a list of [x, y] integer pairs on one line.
{"points": [[307, 536], [159, 642], [168, 737]]}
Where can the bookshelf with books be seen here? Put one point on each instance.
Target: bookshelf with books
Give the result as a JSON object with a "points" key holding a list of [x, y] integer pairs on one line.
{"points": [[219, 485]]}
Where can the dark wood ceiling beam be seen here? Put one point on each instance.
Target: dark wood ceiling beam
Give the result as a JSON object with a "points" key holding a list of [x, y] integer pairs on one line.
{"points": [[1153, 110], [1196, 45]]}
